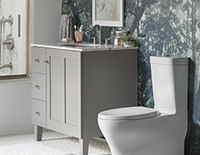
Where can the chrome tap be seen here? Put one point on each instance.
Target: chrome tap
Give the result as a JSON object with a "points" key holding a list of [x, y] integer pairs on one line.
{"points": [[97, 25]]}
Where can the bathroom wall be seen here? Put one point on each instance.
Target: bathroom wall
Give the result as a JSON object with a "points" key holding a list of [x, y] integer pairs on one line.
{"points": [[18, 55], [170, 27], [47, 21], [15, 107]]}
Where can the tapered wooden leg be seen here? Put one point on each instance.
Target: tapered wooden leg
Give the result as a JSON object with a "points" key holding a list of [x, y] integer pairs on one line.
{"points": [[38, 132], [84, 144]]}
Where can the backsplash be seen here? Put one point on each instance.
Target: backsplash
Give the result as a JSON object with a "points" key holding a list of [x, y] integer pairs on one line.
{"points": [[170, 27]]}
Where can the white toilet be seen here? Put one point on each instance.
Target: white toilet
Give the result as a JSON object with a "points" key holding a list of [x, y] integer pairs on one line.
{"points": [[158, 131]]}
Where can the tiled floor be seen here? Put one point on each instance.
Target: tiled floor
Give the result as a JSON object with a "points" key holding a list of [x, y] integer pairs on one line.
{"points": [[57, 141]]}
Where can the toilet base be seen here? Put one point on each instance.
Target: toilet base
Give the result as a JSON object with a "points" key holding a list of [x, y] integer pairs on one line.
{"points": [[162, 135]]}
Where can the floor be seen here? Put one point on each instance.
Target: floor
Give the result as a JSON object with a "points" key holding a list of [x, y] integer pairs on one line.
{"points": [[57, 141]]}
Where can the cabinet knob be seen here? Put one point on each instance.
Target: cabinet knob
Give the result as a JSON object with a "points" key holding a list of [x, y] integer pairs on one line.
{"points": [[46, 61], [37, 60], [37, 113], [37, 86]]}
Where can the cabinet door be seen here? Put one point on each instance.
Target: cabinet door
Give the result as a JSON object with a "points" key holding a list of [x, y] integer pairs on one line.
{"points": [[63, 91]]}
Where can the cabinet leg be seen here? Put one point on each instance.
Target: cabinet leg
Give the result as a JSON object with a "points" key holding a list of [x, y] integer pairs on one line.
{"points": [[38, 132], [84, 145]]}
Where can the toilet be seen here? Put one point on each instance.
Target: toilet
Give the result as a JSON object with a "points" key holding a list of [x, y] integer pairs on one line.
{"points": [[159, 131]]}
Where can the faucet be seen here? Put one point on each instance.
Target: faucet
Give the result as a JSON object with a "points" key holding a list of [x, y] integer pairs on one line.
{"points": [[97, 25]]}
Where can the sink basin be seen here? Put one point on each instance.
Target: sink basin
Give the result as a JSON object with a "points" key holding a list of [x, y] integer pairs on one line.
{"points": [[85, 46]]}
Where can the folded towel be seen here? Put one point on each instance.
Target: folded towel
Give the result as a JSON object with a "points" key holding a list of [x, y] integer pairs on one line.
{"points": [[66, 27]]}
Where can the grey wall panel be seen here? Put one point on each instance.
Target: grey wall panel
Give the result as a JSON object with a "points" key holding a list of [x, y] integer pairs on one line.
{"points": [[47, 21]]}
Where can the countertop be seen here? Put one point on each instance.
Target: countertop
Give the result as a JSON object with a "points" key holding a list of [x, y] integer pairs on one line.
{"points": [[81, 47]]}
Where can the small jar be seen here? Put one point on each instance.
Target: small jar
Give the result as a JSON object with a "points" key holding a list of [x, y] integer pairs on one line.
{"points": [[117, 39]]}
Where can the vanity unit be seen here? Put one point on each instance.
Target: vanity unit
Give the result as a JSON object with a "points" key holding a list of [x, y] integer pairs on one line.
{"points": [[71, 85]]}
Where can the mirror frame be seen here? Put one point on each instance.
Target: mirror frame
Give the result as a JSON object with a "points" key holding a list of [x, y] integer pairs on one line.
{"points": [[119, 23]]}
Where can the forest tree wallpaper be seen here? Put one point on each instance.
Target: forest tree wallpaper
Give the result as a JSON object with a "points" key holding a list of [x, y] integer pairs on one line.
{"points": [[169, 27]]}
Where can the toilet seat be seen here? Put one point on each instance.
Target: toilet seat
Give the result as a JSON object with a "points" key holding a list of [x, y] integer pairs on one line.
{"points": [[129, 113]]}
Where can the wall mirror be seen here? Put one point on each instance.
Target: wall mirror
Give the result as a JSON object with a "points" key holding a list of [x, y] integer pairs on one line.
{"points": [[108, 13]]}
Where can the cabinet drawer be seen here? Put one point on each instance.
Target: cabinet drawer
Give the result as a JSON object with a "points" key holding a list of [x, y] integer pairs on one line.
{"points": [[38, 86], [38, 60], [39, 113]]}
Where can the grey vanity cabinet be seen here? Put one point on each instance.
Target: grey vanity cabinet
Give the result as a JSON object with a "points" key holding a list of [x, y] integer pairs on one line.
{"points": [[56, 90], [70, 88]]}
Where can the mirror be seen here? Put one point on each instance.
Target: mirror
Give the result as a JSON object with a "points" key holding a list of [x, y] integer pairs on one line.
{"points": [[108, 13]]}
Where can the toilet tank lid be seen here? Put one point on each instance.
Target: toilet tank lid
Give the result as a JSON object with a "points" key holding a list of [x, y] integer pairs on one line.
{"points": [[169, 60], [129, 113]]}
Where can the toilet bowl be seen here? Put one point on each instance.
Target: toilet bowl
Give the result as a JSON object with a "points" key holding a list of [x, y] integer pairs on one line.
{"points": [[159, 131]]}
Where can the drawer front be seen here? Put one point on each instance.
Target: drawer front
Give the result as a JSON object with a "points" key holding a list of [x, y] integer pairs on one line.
{"points": [[39, 113], [38, 60], [38, 86]]}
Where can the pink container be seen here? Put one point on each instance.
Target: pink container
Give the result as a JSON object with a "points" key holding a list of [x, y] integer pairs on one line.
{"points": [[78, 36]]}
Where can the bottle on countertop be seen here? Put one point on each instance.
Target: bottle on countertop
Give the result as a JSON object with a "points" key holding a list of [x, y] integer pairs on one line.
{"points": [[117, 39]]}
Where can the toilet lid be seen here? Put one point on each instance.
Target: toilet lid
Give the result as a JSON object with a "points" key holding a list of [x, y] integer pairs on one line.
{"points": [[129, 113]]}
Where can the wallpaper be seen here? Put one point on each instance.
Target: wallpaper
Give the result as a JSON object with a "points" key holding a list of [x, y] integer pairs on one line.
{"points": [[168, 27]]}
